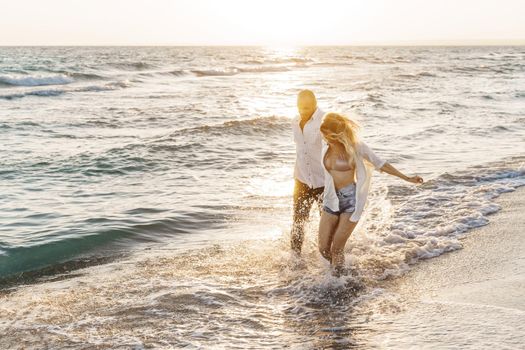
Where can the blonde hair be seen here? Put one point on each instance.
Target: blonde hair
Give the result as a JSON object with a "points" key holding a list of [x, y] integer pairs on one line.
{"points": [[339, 128]]}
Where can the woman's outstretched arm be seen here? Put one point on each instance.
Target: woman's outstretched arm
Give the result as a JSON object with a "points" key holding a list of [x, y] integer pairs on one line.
{"points": [[383, 165], [389, 169]]}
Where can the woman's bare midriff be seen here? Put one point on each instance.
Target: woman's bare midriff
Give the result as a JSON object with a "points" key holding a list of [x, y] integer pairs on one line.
{"points": [[343, 178]]}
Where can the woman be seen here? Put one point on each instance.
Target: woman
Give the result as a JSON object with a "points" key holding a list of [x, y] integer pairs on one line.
{"points": [[346, 162]]}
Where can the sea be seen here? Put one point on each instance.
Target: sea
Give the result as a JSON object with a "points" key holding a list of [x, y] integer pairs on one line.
{"points": [[146, 192]]}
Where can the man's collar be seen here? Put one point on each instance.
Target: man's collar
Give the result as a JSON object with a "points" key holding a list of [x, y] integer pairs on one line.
{"points": [[314, 115], [317, 111]]}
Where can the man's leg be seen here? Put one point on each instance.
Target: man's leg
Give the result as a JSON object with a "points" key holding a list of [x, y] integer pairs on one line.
{"points": [[302, 203], [318, 196]]}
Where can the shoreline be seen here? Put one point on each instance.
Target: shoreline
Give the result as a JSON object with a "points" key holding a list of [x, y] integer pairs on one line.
{"points": [[468, 298]]}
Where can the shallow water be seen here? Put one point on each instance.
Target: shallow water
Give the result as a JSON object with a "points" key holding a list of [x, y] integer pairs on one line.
{"points": [[178, 162]]}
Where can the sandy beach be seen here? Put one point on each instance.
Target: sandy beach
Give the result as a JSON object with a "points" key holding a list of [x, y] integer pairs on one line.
{"points": [[471, 298]]}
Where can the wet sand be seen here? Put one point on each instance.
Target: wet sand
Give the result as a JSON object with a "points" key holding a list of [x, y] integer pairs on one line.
{"points": [[470, 298]]}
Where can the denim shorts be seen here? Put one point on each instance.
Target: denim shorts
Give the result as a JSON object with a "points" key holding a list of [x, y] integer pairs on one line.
{"points": [[346, 196]]}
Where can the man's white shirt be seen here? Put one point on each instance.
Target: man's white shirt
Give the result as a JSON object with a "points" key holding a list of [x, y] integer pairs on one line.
{"points": [[308, 146]]}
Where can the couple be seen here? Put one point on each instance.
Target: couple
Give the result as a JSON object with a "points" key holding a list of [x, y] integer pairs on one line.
{"points": [[332, 168]]}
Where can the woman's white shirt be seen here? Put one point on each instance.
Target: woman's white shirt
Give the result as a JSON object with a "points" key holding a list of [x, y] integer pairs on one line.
{"points": [[365, 160]]}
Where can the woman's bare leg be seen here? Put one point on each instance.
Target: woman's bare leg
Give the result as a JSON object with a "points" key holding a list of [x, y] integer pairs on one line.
{"points": [[344, 229], [327, 226]]}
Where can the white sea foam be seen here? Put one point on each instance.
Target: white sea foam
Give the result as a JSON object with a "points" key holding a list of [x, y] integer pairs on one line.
{"points": [[35, 80]]}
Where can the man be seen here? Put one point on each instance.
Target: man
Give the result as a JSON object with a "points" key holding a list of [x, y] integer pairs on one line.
{"points": [[308, 172]]}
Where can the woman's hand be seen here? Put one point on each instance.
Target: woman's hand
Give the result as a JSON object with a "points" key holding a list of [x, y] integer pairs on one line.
{"points": [[389, 169], [415, 179]]}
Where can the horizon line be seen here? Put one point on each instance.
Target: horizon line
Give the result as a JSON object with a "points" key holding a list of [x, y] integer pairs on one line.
{"points": [[398, 43], [520, 43]]}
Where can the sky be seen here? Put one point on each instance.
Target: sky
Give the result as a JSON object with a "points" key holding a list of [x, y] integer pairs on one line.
{"points": [[267, 22]]}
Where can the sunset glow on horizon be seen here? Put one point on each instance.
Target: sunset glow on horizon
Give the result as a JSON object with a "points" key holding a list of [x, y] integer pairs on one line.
{"points": [[284, 23]]}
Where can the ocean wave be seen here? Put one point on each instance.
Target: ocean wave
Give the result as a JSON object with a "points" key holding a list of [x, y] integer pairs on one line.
{"points": [[41, 93], [503, 68], [268, 69], [83, 242], [279, 61], [161, 74], [132, 66], [194, 147], [215, 72], [57, 92], [375, 97], [35, 80], [379, 60], [218, 72], [238, 70], [106, 87], [253, 61], [117, 161], [84, 76], [332, 64], [492, 131], [425, 133], [296, 60], [178, 73], [416, 75], [447, 107], [259, 125], [22, 259]]}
